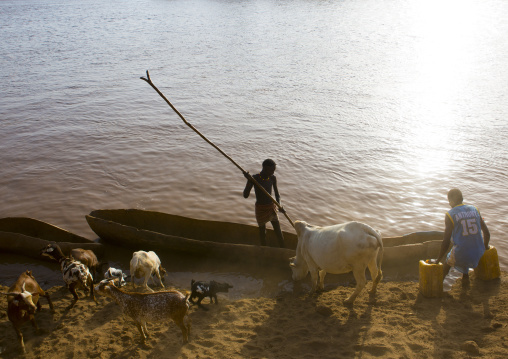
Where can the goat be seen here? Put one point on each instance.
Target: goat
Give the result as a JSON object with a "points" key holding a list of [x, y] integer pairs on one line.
{"points": [[150, 307], [116, 275], [201, 290], [88, 258], [75, 274], [22, 299], [146, 264]]}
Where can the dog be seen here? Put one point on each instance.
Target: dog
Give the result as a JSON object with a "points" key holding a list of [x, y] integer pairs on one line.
{"points": [[201, 290]]}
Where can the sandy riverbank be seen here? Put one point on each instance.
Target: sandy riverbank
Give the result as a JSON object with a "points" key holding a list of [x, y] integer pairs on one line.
{"points": [[400, 324]]}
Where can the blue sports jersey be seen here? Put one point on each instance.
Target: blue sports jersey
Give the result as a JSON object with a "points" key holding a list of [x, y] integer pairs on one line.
{"points": [[467, 235]]}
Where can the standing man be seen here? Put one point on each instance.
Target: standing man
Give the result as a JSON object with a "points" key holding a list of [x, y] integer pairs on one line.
{"points": [[266, 210], [463, 226]]}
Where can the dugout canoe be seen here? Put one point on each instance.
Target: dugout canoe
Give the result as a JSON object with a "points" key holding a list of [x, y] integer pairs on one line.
{"points": [[408, 250], [27, 236], [148, 230]]}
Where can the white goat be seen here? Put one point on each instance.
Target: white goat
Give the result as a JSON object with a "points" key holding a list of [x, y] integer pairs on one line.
{"points": [[146, 264]]}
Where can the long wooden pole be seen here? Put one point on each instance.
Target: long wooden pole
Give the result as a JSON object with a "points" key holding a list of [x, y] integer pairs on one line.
{"points": [[149, 81]]}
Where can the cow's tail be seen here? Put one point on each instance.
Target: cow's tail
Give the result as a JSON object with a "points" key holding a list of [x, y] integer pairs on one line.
{"points": [[379, 238]]}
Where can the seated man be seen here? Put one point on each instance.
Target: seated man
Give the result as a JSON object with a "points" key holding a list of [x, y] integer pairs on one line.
{"points": [[462, 227]]}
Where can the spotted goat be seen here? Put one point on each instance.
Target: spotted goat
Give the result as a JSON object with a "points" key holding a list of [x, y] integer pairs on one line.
{"points": [[75, 274], [150, 307]]}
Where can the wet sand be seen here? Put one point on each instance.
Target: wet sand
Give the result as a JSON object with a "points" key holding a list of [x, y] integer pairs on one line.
{"points": [[398, 324]]}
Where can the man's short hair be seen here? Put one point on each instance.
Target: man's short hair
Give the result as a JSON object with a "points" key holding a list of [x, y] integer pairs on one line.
{"points": [[268, 163], [455, 195]]}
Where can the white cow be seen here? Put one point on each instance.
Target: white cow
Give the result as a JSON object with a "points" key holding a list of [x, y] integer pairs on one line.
{"points": [[145, 265], [337, 249]]}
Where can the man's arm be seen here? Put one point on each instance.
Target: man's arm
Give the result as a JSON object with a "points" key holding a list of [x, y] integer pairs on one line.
{"points": [[276, 190], [446, 238], [277, 196], [248, 186], [486, 233]]}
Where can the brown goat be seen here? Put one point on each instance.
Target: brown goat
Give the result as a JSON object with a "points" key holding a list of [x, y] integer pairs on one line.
{"points": [[150, 307], [88, 258], [22, 298]]}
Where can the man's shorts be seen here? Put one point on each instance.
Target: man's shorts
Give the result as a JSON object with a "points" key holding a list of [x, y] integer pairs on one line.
{"points": [[266, 213], [450, 259]]}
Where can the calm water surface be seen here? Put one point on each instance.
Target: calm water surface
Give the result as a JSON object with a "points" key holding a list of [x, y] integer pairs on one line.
{"points": [[372, 109]]}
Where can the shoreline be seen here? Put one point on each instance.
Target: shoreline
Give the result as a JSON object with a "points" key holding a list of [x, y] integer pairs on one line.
{"points": [[400, 323]]}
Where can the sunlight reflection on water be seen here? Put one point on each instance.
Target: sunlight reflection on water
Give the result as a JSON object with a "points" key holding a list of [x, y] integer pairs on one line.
{"points": [[373, 110]]}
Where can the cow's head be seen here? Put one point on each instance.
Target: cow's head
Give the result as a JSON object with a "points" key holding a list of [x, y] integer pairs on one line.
{"points": [[299, 227], [299, 268], [23, 300]]}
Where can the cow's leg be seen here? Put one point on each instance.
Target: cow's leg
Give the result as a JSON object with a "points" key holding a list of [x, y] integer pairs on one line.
{"points": [[314, 277], [322, 274], [375, 274], [359, 274]]}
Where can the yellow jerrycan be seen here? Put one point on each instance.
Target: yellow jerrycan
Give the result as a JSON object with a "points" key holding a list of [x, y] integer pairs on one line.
{"points": [[431, 279], [488, 267]]}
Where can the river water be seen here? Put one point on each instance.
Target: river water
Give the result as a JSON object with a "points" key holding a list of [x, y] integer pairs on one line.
{"points": [[372, 109]]}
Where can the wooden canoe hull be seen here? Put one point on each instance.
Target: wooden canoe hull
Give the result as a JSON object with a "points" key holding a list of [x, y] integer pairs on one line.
{"points": [[31, 247], [138, 238], [34, 228], [408, 250], [178, 226], [413, 238], [27, 236], [148, 230]]}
